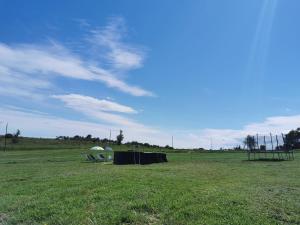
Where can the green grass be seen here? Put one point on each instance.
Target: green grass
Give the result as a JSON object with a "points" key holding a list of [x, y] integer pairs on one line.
{"points": [[58, 187]]}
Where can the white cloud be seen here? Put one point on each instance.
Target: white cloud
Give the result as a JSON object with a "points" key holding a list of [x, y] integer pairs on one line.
{"points": [[121, 55], [229, 138], [38, 124], [76, 101], [42, 62], [30, 71], [17, 84], [276, 124], [114, 82], [101, 109]]}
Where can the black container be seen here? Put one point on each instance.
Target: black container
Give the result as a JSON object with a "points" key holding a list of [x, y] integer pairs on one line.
{"points": [[123, 158]]}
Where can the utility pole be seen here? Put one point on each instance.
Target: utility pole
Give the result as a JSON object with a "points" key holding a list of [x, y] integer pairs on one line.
{"points": [[5, 137]]}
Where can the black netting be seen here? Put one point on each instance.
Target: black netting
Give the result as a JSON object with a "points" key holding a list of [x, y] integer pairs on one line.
{"points": [[269, 142]]}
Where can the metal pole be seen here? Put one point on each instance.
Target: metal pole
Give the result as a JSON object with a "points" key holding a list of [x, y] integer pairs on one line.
{"points": [[285, 148], [284, 141], [265, 146], [272, 145], [5, 137], [272, 141], [0, 123], [282, 137]]}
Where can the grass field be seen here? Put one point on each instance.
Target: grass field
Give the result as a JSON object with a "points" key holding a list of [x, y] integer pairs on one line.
{"points": [[56, 186]]}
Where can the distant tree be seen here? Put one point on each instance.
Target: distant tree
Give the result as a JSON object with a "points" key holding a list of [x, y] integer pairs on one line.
{"points": [[88, 137], [168, 147], [250, 142], [8, 135], [105, 140], [147, 145], [76, 138], [237, 148], [120, 138], [15, 138], [292, 139], [96, 139]]}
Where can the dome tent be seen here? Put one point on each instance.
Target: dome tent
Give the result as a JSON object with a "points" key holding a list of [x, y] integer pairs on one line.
{"points": [[107, 150], [97, 148]]}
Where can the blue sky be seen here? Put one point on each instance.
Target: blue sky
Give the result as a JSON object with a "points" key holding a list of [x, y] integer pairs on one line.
{"points": [[200, 70]]}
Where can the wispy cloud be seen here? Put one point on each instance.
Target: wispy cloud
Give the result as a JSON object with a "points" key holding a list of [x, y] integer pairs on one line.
{"points": [[13, 83], [101, 109], [31, 71], [75, 101], [121, 55], [40, 64]]}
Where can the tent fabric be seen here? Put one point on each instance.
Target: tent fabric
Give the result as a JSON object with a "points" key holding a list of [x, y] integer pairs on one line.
{"points": [[108, 148], [97, 148], [123, 158]]}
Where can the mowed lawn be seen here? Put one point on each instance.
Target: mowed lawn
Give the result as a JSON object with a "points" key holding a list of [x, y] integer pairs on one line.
{"points": [[58, 187]]}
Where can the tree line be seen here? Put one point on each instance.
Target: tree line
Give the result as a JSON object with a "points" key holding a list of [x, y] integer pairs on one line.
{"points": [[89, 137], [119, 139], [291, 140], [13, 136]]}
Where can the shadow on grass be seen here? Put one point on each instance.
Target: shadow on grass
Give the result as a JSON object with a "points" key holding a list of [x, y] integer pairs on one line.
{"points": [[24, 161], [265, 160], [11, 162]]}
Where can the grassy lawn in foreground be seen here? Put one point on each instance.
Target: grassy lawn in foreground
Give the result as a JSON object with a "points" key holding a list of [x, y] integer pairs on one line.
{"points": [[58, 187]]}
